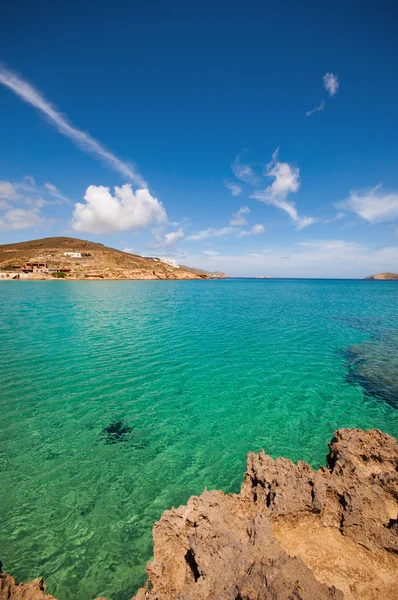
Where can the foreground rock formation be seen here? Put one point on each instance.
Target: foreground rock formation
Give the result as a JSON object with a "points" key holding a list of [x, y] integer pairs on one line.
{"points": [[290, 534]]}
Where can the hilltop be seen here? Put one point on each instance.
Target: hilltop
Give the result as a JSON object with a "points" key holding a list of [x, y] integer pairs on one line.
{"points": [[96, 261], [383, 276]]}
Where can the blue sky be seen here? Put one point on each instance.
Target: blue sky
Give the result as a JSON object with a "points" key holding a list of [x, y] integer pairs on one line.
{"points": [[197, 120]]}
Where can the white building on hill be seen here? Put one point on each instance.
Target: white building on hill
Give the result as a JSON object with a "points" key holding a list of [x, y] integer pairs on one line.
{"points": [[170, 261], [73, 254]]}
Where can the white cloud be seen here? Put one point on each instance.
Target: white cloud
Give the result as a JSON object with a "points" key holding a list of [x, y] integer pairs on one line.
{"points": [[19, 218], [286, 181], [83, 140], [234, 188], [374, 205], [8, 190], [53, 191], [173, 236], [104, 213], [244, 172], [238, 218], [331, 83], [257, 229], [210, 253], [211, 232], [128, 250], [318, 108]]}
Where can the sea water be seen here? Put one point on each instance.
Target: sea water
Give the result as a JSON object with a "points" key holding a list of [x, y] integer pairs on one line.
{"points": [[119, 400]]}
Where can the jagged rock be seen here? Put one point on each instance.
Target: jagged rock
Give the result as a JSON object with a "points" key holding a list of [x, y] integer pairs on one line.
{"points": [[291, 533], [34, 590]]}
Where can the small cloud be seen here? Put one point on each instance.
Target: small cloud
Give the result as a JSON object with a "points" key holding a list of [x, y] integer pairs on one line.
{"points": [[8, 190], [244, 172], [128, 250], [234, 188], [238, 217], [172, 237], [374, 205], [257, 229], [318, 108], [19, 218], [286, 180], [210, 253], [331, 83], [211, 232], [53, 191]]}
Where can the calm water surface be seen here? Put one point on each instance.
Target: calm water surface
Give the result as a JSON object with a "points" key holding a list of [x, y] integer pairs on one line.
{"points": [[121, 399]]}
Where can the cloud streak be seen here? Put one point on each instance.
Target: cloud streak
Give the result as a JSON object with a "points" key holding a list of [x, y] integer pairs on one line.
{"points": [[83, 140], [318, 108], [286, 180]]}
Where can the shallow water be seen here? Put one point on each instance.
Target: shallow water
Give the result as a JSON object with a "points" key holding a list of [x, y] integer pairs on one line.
{"points": [[121, 399]]}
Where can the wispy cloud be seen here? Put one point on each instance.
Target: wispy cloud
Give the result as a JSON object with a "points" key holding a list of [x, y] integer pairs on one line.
{"points": [[212, 232], [54, 191], [331, 83], [257, 229], [238, 218], [234, 188], [318, 108], [244, 172], [286, 180], [210, 253], [374, 205], [83, 140]]}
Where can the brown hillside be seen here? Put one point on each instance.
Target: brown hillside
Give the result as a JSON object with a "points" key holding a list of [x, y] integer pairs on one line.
{"points": [[384, 276], [97, 261]]}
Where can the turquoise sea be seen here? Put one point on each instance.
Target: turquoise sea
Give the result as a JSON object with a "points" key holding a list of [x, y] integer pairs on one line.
{"points": [[121, 399]]}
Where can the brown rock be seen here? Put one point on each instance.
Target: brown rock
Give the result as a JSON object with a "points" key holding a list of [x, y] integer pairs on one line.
{"points": [[291, 533]]}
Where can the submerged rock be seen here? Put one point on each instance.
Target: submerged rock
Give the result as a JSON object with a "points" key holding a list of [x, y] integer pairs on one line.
{"points": [[292, 533], [374, 365], [116, 432]]}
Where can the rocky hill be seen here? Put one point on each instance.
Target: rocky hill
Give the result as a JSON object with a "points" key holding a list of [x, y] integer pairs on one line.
{"points": [[96, 261], [291, 532], [383, 276], [210, 274]]}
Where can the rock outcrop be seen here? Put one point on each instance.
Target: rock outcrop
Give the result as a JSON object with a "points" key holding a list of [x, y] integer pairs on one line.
{"points": [[34, 590], [383, 276], [292, 533]]}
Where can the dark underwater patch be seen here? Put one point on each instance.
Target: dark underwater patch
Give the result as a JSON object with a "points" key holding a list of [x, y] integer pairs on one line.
{"points": [[121, 433], [116, 432], [374, 366]]}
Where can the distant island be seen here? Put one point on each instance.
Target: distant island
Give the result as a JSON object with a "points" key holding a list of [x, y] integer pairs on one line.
{"points": [[384, 276], [72, 258]]}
